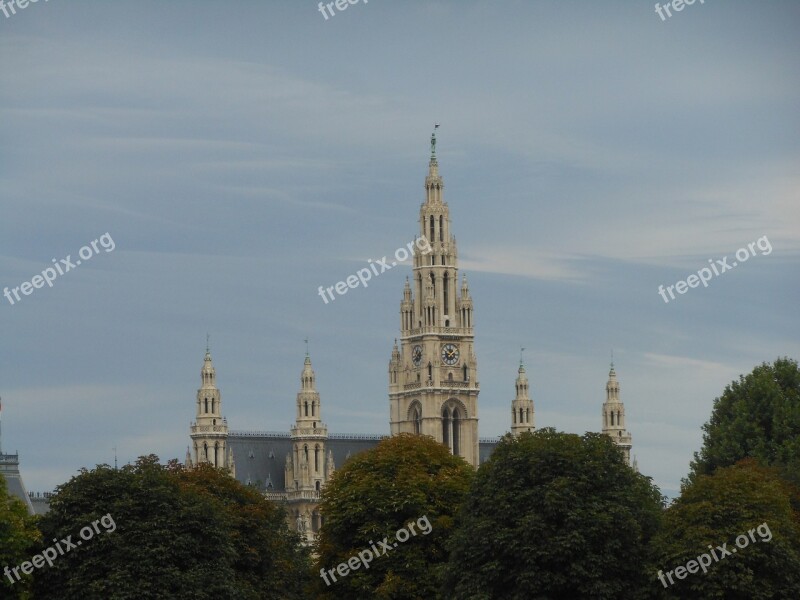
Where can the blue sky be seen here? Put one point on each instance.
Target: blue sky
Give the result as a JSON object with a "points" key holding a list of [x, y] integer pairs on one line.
{"points": [[242, 154]]}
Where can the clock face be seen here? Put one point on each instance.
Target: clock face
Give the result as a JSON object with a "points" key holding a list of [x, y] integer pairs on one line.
{"points": [[450, 354], [416, 355]]}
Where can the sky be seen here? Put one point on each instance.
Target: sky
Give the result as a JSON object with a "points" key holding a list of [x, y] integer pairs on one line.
{"points": [[239, 155]]}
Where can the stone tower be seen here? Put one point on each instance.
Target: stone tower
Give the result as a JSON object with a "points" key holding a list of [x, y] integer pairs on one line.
{"points": [[307, 467], [614, 416], [209, 432], [433, 375], [522, 406]]}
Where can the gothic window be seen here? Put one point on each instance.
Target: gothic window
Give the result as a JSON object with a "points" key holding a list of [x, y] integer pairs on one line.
{"points": [[216, 453], [417, 418], [456, 432], [520, 416], [316, 458], [318, 486], [313, 409], [449, 377], [212, 405], [205, 451], [430, 371], [306, 408], [206, 404], [618, 419], [305, 449], [466, 373], [432, 236], [514, 415], [527, 415], [446, 427], [214, 422], [446, 292], [441, 229]]}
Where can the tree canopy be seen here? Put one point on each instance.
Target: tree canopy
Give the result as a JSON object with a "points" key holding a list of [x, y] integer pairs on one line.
{"points": [[176, 534], [377, 492], [554, 515], [18, 536], [756, 417], [716, 509]]}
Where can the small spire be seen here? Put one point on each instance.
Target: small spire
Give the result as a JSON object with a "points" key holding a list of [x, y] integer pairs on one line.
{"points": [[306, 341], [521, 362], [208, 343], [433, 141]]}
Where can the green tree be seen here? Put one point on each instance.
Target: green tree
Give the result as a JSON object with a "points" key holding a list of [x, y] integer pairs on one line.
{"points": [[269, 562], [756, 417], [404, 479], [554, 515], [176, 535], [714, 510], [18, 536]]}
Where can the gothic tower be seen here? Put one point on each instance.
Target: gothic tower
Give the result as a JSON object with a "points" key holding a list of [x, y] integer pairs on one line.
{"points": [[522, 406], [209, 432], [307, 467], [614, 416], [433, 375]]}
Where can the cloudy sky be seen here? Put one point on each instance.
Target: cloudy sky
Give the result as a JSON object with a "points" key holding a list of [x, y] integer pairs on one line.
{"points": [[242, 154]]}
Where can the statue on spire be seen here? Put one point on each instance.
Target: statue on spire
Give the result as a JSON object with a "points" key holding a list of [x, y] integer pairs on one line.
{"points": [[433, 140]]}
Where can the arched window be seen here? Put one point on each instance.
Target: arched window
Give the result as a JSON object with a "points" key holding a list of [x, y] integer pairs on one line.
{"points": [[306, 407], [432, 236], [466, 372], [318, 488], [446, 284], [456, 432], [305, 449], [313, 409], [205, 451], [527, 415], [417, 420], [520, 416], [441, 228], [216, 454], [446, 424], [212, 405], [514, 416], [206, 404], [316, 458]]}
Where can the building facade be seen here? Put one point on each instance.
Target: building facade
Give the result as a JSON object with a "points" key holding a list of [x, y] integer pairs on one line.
{"points": [[433, 388]]}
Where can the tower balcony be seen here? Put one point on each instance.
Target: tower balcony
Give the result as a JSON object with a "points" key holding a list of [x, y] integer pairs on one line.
{"points": [[320, 432], [221, 429]]}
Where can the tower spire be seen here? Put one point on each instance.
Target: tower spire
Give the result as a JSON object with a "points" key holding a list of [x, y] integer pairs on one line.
{"points": [[209, 432], [522, 413], [614, 415]]}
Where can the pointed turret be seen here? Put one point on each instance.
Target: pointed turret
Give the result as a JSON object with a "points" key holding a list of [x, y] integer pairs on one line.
{"points": [[614, 416], [209, 432], [522, 416]]}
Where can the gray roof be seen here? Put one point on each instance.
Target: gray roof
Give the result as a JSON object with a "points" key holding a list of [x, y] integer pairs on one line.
{"points": [[9, 468], [260, 456]]}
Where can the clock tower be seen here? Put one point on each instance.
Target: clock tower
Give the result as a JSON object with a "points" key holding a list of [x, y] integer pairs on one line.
{"points": [[433, 375]]}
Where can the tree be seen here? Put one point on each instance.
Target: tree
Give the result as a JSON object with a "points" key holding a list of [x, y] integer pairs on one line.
{"points": [[554, 515], [175, 535], [18, 536], [269, 562], [406, 481], [717, 509], [757, 417]]}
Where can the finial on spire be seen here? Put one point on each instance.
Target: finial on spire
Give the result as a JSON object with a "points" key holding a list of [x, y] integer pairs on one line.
{"points": [[612, 358], [208, 343], [433, 140], [306, 341], [521, 351]]}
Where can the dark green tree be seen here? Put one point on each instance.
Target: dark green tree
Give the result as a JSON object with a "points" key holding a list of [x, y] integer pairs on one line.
{"points": [[756, 417], [403, 480], [176, 535], [714, 510], [554, 515], [18, 537]]}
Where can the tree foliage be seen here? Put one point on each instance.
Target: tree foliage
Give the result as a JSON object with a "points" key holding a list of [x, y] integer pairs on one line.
{"points": [[18, 536], [714, 510], [554, 515], [376, 493], [756, 417], [178, 534]]}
